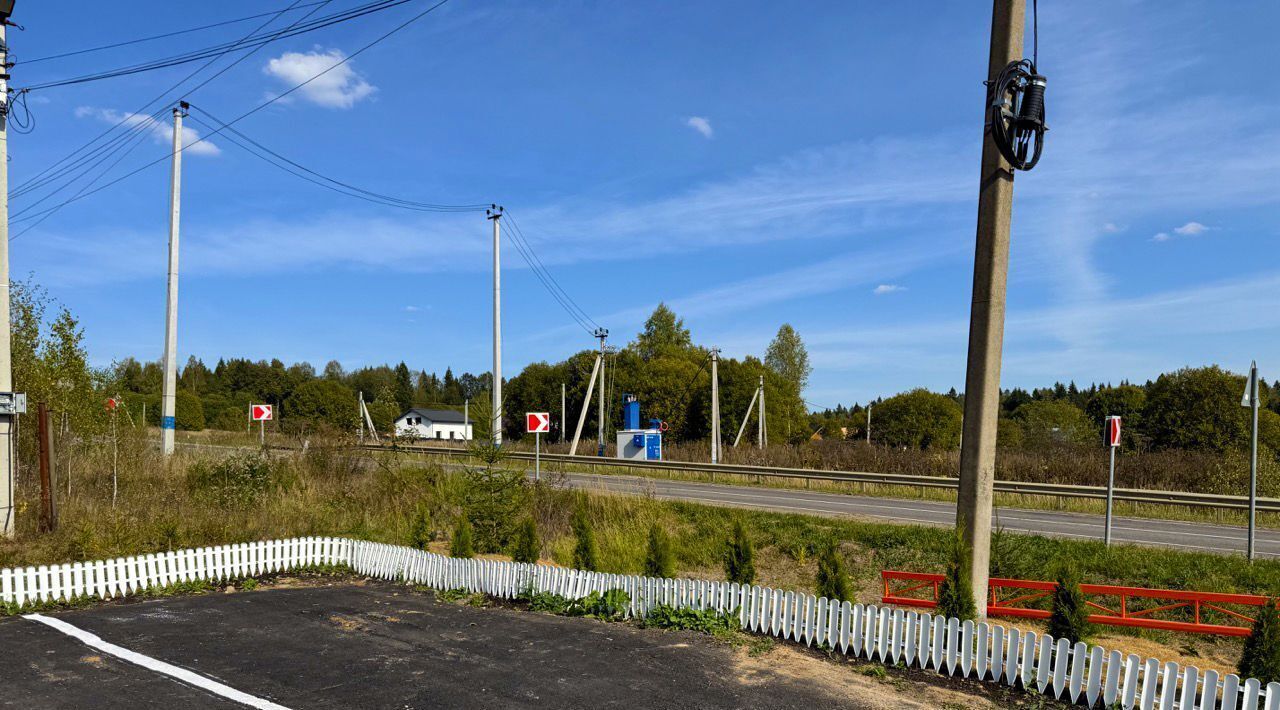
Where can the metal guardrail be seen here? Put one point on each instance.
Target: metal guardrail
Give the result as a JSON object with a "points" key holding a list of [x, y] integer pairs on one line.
{"points": [[1059, 490]]}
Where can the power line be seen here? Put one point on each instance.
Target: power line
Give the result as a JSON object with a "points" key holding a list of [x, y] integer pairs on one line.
{"points": [[267, 154], [253, 110], [175, 33], [220, 49], [535, 263], [43, 177]]}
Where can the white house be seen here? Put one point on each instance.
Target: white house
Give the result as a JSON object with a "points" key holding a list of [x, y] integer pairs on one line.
{"points": [[444, 424]]}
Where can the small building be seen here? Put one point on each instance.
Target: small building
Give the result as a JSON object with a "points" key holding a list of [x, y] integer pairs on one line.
{"points": [[443, 424]]}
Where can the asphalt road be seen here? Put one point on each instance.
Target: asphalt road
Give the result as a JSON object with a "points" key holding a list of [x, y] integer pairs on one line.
{"points": [[1203, 537], [375, 646]]}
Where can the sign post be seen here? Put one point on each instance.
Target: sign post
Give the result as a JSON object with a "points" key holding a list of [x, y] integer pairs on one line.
{"points": [[1250, 400], [1113, 443], [261, 413], [537, 423]]}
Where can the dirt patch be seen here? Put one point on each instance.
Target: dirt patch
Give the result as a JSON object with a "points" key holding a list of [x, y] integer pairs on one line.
{"points": [[348, 623], [92, 660]]}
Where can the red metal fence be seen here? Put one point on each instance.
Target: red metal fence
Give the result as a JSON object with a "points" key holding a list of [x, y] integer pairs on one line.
{"points": [[1168, 609]]}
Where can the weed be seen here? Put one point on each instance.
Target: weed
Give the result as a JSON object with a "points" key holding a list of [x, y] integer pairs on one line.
{"points": [[682, 619]]}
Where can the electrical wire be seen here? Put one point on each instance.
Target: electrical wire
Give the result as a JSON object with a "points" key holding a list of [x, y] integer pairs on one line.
{"points": [[552, 285], [220, 49], [175, 33], [44, 176], [266, 154], [255, 109]]}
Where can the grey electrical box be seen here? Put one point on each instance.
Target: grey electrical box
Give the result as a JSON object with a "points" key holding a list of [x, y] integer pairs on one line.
{"points": [[13, 402]]}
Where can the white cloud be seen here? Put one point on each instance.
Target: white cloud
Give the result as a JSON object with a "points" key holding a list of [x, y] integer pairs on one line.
{"points": [[412, 309], [1191, 229], [340, 87], [1161, 237], [1112, 228], [160, 131], [700, 124], [883, 289]]}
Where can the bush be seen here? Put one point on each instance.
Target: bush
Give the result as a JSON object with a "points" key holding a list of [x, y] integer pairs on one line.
{"points": [[460, 545], [610, 606], [420, 531], [585, 554], [1070, 618], [833, 582], [494, 500], [528, 549], [955, 598], [1261, 656], [739, 558], [235, 481], [1046, 423], [658, 560], [708, 621], [1196, 408]]}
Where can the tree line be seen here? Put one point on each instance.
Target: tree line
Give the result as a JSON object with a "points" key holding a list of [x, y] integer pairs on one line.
{"points": [[662, 366], [1192, 408]]}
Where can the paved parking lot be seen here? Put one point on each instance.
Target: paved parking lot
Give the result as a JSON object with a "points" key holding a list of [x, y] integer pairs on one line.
{"points": [[368, 646]]}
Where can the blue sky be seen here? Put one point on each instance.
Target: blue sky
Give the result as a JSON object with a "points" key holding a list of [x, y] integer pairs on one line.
{"points": [[749, 163]]}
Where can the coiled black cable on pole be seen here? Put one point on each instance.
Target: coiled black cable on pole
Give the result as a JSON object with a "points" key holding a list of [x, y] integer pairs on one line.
{"points": [[1017, 114]]}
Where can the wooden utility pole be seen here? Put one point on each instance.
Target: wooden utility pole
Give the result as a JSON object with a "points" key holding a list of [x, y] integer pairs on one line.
{"points": [[986, 320], [48, 516]]}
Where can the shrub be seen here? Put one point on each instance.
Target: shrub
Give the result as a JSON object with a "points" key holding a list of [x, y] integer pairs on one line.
{"points": [[494, 499], [1261, 656], [955, 598], [528, 548], [658, 560], [1046, 423], [585, 554], [1070, 618], [833, 582], [420, 531], [707, 621], [610, 606], [739, 558], [460, 545], [235, 481]]}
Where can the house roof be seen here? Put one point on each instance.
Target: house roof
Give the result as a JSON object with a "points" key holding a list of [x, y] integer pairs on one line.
{"points": [[441, 416]]}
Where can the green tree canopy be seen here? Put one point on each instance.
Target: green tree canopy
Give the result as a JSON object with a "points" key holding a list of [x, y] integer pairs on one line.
{"points": [[787, 357], [918, 419], [323, 402], [663, 333], [1047, 422], [1196, 408]]}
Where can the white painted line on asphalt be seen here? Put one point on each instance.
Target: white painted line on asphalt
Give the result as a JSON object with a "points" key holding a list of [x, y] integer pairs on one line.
{"points": [[182, 674]]}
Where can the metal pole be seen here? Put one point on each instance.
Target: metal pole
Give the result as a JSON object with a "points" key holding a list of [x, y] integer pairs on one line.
{"points": [[169, 395], [6, 354], [586, 402], [466, 420], [1253, 458], [495, 214], [262, 432], [115, 459], [46, 469], [986, 322], [537, 456], [564, 413], [1111, 485], [715, 405]]}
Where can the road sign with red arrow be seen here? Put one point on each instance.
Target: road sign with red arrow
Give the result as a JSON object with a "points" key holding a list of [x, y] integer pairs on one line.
{"points": [[537, 422], [261, 412]]}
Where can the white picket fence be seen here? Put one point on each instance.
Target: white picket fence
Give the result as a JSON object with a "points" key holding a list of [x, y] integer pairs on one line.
{"points": [[1088, 675]]}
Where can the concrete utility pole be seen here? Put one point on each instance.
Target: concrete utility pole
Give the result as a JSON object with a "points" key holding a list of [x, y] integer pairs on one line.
{"points": [[586, 402], [760, 442], [986, 320], [715, 405], [168, 399], [6, 353], [466, 419], [360, 413], [868, 422], [746, 417], [603, 335], [495, 214]]}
